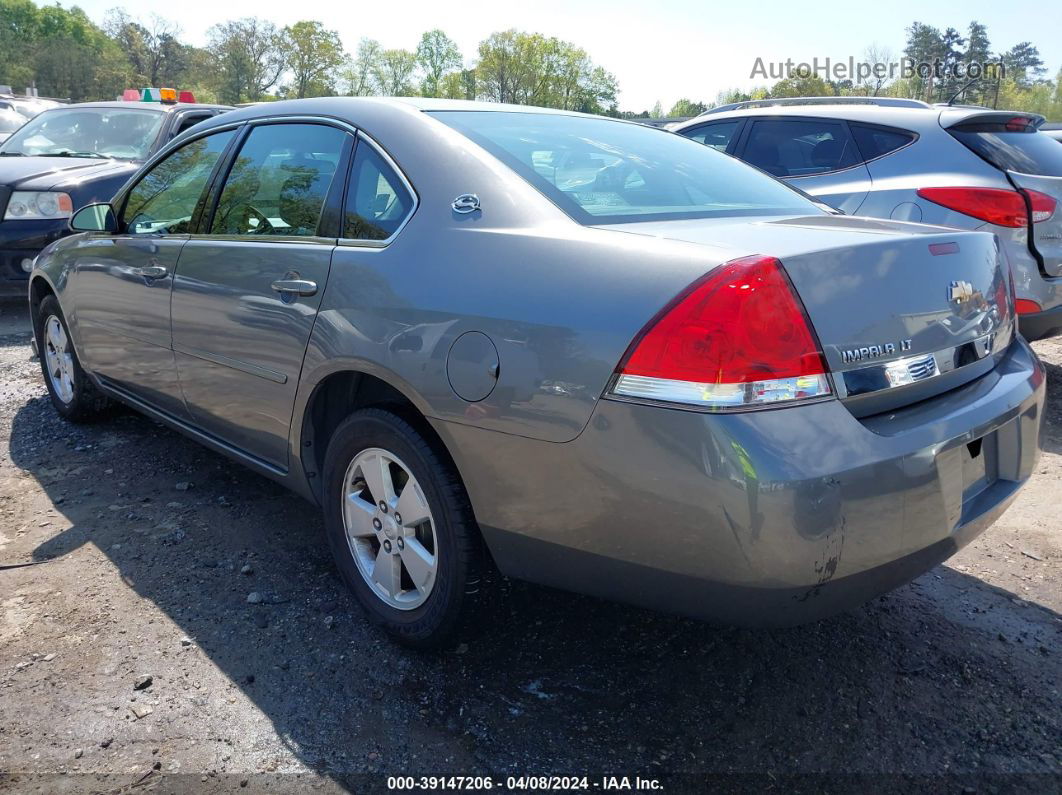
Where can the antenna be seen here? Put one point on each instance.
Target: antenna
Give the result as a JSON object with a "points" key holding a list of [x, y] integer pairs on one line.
{"points": [[962, 91]]}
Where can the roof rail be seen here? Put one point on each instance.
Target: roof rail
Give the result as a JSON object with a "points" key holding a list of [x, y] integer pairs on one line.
{"points": [[886, 102]]}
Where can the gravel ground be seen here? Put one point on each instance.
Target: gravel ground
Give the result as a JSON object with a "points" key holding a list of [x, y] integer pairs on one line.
{"points": [[134, 657]]}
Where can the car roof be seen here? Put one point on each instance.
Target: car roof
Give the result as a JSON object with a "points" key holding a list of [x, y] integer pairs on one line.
{"points": [[343, 107], [912, 117]]}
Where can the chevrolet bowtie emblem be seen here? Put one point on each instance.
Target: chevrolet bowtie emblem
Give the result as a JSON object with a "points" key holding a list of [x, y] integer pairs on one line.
{"points": [[960, 291]]}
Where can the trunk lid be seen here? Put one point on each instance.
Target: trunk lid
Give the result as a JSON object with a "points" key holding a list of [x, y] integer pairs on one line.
{"points": [[903, 311]]}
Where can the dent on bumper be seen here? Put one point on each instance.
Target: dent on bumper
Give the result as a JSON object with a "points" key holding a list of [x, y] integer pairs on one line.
{"points": [[770, 517]]}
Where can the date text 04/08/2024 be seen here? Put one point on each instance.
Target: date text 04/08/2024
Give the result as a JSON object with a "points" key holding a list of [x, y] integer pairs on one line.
{"points": [[529, 783]]}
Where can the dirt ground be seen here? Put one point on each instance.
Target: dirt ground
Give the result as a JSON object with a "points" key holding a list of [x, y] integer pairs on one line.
{"points": [[131, 658]]}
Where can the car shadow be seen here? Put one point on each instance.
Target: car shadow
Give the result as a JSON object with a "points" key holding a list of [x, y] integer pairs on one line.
{"points": [[948, 673]]}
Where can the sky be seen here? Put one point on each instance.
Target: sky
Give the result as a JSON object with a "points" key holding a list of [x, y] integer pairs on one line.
{"points": [[659, 50]]}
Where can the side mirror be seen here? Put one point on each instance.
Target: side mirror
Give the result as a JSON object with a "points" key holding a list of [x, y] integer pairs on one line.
{"points": [[95, 218]]}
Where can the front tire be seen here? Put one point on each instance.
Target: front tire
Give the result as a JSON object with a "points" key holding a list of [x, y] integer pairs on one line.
{"points": [[401, 528], [73, 394]]}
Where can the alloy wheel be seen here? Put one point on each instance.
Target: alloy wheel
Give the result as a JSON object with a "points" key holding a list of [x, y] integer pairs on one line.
{"points": [[390, 529], [58, 356]]}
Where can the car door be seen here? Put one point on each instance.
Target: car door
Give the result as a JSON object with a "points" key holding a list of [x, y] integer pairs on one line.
{"points": [[247, 291], [123, 280], [816, 155]]}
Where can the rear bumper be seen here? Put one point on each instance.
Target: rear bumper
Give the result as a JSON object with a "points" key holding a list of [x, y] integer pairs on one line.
{"points": [[1041, 324], [21, 240], [761, 518]]}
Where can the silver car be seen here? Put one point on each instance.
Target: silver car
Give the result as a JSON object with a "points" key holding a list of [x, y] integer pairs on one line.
{"points": [[967, 167], [574, 350]]}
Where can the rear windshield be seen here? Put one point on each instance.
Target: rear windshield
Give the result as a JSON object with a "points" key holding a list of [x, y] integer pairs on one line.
{"points": [[602, 171], [1027, 152]]}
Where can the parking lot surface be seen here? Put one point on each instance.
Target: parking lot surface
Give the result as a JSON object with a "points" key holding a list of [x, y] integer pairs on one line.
{"points": [[180, 624]]}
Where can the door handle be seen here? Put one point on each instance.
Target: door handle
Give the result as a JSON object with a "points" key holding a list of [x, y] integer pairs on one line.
{"points": [[151, 272], [295, 287]]}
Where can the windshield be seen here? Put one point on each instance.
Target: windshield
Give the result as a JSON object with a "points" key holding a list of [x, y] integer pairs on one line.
{"points": [[10, 121], [603, 171], [124, 133]]}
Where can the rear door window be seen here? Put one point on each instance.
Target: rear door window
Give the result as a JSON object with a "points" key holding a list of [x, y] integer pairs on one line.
{"points": [[875, 141], [1022, 149], [717, 135], [799, 147], [279, 181]]}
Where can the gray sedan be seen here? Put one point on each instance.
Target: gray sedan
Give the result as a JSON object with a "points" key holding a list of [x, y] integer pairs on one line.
{"points": [[569, 349]]}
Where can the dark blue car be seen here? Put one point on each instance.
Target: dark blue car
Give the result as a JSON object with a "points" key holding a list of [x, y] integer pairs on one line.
{"points": [[71, 156]]}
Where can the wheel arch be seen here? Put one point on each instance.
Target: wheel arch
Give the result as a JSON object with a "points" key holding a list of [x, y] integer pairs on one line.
{"points": [[342, 392], [39, 289]]}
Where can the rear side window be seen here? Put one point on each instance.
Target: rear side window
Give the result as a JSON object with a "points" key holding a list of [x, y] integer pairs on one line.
{"points": [[278, 183], [799, 147], [377, 200], [877, 141], [1025, 150], [717, 136]]}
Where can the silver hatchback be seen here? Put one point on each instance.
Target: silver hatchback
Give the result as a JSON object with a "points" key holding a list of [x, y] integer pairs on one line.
{"points": [[967, 167]]}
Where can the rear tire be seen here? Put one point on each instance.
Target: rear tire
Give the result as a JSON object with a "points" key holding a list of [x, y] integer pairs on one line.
{"points": [[418, 576], [72, 392]]}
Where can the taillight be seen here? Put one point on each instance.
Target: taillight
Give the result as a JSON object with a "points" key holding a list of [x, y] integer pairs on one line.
{"points": [[1024, 306], [1041, 205], [994, 205], [736, 338]]}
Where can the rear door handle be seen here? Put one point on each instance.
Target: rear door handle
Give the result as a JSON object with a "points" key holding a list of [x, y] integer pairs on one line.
{"points": [[295, 286], [151, 272]]}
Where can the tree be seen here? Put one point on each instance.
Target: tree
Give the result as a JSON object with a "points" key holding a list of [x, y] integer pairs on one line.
{"points": [[879, 57], [154, 51], [685, 107], [314, 55], [811, 86], [1023, 64], [531, 69], [393, 71], [979, 52], [923, 49], [951, 54], [358, 72], [248, 58], [438, 56]]}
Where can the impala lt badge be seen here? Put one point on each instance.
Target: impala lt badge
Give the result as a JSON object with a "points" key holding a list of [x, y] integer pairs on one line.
{"points": [[874, 351], [960, 291]]}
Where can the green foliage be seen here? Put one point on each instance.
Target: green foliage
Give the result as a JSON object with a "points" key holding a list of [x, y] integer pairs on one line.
{"points": [[314, 56], [439, 57], [531, 69], [393, 72], [685, 107], [58, 50], [247, 57]]}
